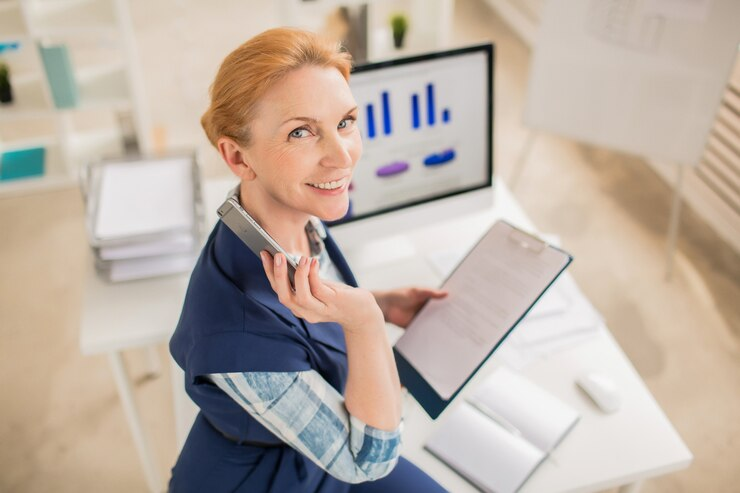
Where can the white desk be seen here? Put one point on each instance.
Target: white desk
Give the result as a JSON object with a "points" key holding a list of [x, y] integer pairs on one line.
{"points": [[602, 451], [137, 314]]}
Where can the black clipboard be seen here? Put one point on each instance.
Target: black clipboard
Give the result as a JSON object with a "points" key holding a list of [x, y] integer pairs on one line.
{"points": [[418, 354]]}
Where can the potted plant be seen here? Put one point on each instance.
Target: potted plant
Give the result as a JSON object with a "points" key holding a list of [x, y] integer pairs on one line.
{"points": [[399, 24], [6, 93]]}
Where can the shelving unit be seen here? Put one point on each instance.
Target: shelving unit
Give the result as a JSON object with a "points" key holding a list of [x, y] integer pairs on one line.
{"points": [[98, 36], [430, 22]]}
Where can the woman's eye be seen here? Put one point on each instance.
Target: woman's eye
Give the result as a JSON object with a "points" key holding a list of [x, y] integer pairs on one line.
{"points": [[345, 123], [299, 133]]}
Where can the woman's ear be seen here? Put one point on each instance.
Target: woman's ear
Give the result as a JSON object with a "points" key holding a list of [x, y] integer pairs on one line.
{"points": [[235, 157]]}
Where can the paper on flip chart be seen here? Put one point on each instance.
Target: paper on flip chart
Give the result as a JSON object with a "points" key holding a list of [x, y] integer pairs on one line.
{"points": [[489, 292]]}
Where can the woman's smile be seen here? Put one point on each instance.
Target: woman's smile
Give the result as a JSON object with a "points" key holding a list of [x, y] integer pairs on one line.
{"points": [[331, 187]]}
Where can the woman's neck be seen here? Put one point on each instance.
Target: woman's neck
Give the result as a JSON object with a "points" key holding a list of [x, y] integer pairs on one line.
{"points": [[285, 225]]}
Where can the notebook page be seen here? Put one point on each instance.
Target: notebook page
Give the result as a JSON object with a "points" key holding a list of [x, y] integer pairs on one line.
{"points": [[488, 292], [484, 453], [540, 417]]}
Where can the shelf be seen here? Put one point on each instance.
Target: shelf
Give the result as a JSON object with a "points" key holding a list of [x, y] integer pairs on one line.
{"points": [[103, 87], [22, 61], [84, 148], [29, 100], [98, 49], [55, 172], [90, 147], [36, 184], [24, 129], [40, 141], [72, 17]]}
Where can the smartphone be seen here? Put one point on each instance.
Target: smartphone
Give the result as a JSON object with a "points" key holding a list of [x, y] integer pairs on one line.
{"points": [[246, 228]]}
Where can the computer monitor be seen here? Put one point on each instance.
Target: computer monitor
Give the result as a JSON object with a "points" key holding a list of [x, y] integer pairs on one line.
{"points": [[427, 130]]}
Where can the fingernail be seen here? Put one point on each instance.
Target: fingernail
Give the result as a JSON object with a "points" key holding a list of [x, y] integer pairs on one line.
{"points": [[278, 260], [303, 261]]}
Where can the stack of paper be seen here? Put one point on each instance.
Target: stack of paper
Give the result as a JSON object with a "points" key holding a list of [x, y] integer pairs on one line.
{"points": [[143, 216], [563, 317], [498, 437]]}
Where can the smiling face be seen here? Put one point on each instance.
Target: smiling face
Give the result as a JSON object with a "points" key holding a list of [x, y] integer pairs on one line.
{"points": [[304, 145]]}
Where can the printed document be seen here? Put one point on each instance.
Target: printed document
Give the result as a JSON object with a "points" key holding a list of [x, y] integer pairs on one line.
{"points": [[490, 291]]}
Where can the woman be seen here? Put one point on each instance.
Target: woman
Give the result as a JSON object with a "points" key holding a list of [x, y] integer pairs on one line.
{"points": [[298, 390]]}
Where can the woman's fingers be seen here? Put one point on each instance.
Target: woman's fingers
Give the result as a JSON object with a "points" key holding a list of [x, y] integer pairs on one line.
{"points": [[435, 293], [427, 293], [303, 290], [321, 290], [282, 282], [268, 265]]}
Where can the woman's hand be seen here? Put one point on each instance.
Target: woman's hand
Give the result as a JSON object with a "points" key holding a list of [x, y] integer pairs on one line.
{"points": [[400, 306], [316, 300]]}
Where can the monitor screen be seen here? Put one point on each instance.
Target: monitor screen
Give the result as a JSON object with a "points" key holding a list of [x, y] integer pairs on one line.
{"points": [[426, 124]]}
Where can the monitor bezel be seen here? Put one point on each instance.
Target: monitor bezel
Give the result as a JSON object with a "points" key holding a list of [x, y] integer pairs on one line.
{"points": [[489, 49]]}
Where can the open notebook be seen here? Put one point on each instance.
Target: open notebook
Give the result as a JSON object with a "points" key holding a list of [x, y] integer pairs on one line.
{"points": [[498, 437]]}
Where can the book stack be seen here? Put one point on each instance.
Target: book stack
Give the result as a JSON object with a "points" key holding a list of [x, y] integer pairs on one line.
{"points": [[498, 437], [143, 216]]}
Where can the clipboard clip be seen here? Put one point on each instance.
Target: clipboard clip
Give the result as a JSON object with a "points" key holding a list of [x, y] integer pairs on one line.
{"points": [[527, 241]]}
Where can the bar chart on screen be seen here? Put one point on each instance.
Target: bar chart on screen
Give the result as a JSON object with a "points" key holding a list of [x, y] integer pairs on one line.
{"points": [[425, 128], [430, 118]]}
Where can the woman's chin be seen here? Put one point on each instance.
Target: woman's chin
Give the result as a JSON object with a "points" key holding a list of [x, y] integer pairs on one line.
{"points": [[335, 214]]}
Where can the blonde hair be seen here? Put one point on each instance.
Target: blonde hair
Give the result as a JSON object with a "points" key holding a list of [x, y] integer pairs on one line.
{"points": [[249, 71]]}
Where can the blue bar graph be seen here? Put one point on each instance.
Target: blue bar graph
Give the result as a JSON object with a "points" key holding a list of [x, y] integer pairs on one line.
{"points": [[370, 122], [432, 118], [415, 111], [430, 104], [386, 113]]}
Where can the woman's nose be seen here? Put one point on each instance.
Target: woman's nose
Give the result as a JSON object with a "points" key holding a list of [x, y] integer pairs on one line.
{"points": [[337, 152]]}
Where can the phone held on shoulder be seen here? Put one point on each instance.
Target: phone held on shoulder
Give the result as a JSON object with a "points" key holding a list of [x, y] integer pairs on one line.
{"points": [[246, 228]]}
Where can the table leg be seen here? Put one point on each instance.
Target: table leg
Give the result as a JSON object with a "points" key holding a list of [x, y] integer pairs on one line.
{"points": [[123, 383], [631, 488]]}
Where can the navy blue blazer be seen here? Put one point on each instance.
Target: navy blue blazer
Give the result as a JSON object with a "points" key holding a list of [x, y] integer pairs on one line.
{"points": [[232, 321]]}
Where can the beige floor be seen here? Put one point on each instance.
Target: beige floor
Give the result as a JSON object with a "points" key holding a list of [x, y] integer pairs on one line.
{"points": [[61, 425]]}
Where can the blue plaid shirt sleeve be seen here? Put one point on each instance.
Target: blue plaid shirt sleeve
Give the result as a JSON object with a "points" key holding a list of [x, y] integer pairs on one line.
{"points": [[309, 415]]}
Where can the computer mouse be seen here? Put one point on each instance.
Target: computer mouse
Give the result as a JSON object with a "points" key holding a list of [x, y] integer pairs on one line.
{"points": [[602, 390]]}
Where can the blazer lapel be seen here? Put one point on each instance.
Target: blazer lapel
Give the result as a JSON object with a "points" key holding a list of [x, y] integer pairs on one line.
{"points": [[341, 263], [248, 274], [245, 270], [331, 333]]}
